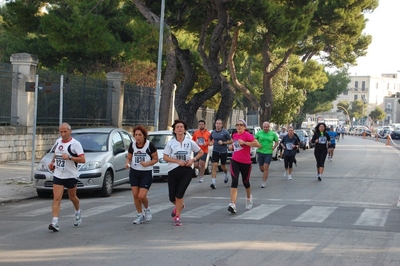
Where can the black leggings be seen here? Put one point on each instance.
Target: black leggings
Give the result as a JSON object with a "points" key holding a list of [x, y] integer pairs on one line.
{"points": [[288, 161], [178, 181], [320, 156], [240, 168]]}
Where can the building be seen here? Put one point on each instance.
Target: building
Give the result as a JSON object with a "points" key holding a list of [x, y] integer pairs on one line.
{"points": [[374, 91]]}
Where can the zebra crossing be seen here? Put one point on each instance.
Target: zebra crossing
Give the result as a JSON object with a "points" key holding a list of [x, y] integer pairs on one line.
{"points": [[363, 216]]}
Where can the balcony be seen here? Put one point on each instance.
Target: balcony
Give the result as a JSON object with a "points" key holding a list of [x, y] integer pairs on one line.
{"points": [[388, 110]]}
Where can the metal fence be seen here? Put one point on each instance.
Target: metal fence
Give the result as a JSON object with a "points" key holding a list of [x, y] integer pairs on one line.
{"points": [[86, 101], [6, 76], [139, 105]]}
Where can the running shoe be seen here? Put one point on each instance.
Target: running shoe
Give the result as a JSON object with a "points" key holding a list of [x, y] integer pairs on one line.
{"points": [[263, 184], [226, 178], [173, 213], [78, 218], [249, 203], [285, 174], [147, 215], [139, 219], [54, 226], [319, 177], [177, 221], [200, 179], [289, 177], [213, 186], [232, 208]]}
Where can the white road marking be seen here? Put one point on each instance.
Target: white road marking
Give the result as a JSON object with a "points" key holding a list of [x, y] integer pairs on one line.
{"points": [[316, 214], [259, 212], [372, 217]]}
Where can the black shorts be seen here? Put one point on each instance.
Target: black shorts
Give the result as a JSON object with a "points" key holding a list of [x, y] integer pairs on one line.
{"points": [[67, 182], [216, 156], [141, 179], [203, 158], [332, 146]]}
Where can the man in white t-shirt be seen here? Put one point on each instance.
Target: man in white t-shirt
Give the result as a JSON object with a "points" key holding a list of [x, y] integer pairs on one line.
{"points": [[68, 152]]}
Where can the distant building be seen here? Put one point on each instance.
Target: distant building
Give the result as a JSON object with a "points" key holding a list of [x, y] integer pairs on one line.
{"points": [[374, 91]]}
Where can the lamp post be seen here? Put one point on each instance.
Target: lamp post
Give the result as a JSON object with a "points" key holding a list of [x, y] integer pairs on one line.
{"points": [[338, 106]]}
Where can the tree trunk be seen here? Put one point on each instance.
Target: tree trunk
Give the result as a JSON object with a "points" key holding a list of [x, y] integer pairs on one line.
{"points": [[169, 76]]}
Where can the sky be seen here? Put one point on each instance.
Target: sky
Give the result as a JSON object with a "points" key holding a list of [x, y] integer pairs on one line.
{"points": [[383, 55]]}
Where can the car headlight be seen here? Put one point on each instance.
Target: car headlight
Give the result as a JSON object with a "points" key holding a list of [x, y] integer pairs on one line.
{"points": [[42, 167], [161, 160], [90, 166]]}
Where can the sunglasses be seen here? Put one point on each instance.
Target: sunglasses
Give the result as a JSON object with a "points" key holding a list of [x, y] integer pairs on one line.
{"points": [[239, 125]]}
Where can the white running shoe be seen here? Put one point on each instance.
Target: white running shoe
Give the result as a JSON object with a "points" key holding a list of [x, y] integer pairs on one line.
{"points": [[200, 179], [249, 203], [263, 184], [285, 174], [232, 208], [78, 218], [139, 219], [289, 177], [147, 215]]}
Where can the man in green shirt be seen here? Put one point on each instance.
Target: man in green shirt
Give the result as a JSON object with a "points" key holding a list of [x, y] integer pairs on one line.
{"points": [[268, 140]]}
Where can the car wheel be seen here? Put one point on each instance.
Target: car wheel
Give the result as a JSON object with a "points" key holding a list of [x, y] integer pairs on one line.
{"points": [[107, 188], [208, 169], [43, 194]]}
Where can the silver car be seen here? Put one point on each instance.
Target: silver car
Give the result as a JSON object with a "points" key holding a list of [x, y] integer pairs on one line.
{"points": [[105, 152]]}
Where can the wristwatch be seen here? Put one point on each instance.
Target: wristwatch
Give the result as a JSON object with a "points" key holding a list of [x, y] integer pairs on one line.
{"points": [[69, 157]]}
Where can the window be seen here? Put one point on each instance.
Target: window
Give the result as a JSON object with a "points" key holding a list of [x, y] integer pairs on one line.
{"points": [[356, 84], [127, 140], [363, 85], [346, 92], [117, 141], [355, 97]]}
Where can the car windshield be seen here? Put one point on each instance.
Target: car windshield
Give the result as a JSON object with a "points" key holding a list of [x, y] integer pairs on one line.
{"points": [[91, 141], [300, 134], [160, 140]]}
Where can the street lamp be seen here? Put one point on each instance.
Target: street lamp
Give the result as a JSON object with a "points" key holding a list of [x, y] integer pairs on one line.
{"points": [[338, 106]]}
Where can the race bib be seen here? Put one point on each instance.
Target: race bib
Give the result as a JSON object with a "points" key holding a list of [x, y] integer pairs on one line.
{"points": [[139, 157], [181, 155], [289, 146], [322, 140], [201, 141], [60, 163], [237, 146]]}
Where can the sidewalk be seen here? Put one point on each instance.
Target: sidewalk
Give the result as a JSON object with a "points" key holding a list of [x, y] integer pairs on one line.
{"points": [[15, 181]]}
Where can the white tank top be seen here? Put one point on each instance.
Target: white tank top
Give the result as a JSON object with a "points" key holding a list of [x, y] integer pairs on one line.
{"points": [[140, 155]]}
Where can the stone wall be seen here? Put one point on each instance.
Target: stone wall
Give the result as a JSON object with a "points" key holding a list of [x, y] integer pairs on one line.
{"points": [[16, 142]]}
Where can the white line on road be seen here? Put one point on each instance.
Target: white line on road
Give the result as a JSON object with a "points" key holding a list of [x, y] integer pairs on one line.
{"points": [[259, 212], [372, 217], [316, 214]]}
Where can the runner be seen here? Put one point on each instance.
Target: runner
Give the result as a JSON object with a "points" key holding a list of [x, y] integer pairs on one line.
{"points": [[201, 137]]}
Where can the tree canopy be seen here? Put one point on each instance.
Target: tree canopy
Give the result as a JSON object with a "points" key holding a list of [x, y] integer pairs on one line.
{"points": [[268, 52]]}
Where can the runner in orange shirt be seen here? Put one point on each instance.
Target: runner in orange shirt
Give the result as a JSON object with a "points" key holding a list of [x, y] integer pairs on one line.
{"points": [[201, 137]]}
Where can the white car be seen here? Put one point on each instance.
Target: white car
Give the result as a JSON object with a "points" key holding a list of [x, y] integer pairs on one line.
{"points": [[160, 139]]}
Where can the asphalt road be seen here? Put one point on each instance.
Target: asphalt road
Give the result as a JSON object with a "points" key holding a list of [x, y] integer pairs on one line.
{"points": [[350, 218]]}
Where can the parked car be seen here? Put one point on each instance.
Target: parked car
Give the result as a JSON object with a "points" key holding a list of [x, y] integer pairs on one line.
{"points": [[384, 131], [395, 134], [304, 140], [253, 150], [360, 132], [105, 152], [160, 139]]}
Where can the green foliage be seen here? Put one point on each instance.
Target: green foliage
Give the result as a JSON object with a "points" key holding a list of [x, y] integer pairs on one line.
{"points": [[78, 36], [378, 114], [321, 100]]}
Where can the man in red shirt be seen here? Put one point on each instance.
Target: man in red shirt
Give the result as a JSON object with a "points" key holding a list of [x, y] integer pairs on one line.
{"points": [[201, 137]]}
